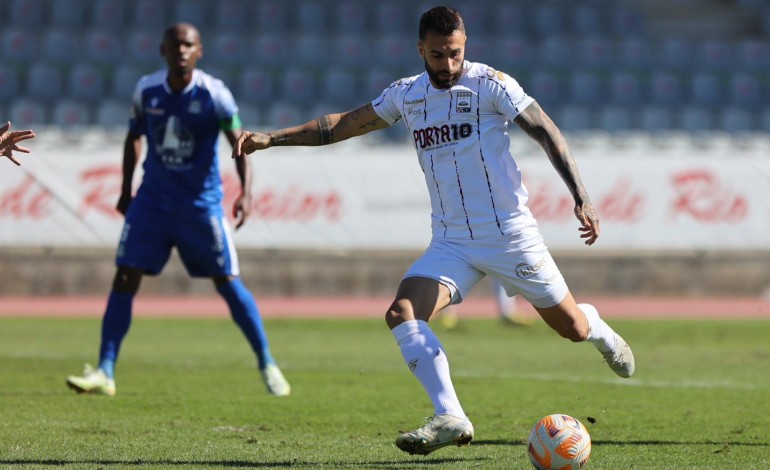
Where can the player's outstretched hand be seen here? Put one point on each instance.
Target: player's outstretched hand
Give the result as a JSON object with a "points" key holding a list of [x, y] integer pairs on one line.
{"points": [[9, 141], [589, 223], [250, 142]]}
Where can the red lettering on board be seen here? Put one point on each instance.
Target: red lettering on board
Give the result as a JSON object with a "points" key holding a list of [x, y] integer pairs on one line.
{"points": [[28, 200], [703, 197], [101, 188]]}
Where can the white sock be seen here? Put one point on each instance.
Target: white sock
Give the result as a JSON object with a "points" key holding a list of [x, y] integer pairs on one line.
{"points": [[425, 357], [599, 332]]}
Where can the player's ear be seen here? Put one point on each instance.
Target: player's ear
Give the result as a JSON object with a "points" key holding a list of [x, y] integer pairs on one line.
{"points": [[200, 50], [420, 49]]}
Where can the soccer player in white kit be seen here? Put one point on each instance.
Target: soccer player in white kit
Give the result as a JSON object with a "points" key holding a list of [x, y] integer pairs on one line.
{"points": [[457, 113]]}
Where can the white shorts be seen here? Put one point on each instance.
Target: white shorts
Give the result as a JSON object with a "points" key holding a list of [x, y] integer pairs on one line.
{"points": [[520, 262]]}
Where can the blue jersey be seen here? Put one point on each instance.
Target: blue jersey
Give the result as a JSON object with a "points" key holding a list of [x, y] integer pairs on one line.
{"points": [[181, 169]]}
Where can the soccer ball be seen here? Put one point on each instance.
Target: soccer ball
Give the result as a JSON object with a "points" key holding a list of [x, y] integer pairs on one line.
{"points": [[558, 441]]}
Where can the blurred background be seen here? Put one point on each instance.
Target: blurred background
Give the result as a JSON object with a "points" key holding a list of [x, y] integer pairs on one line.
{"points": [[665, 104]]}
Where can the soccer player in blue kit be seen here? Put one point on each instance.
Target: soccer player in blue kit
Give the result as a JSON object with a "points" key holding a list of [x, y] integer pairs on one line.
{"points": [[180, 111]]}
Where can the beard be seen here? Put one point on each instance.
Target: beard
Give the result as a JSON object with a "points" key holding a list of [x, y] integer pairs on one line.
{"points": [[440, 82]]}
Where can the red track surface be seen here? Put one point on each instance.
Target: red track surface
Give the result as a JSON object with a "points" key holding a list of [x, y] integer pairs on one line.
{"points": [[361, 307]]}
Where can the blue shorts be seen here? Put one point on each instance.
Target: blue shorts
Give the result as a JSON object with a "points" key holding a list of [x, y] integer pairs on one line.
{"points": [[203, 239]]}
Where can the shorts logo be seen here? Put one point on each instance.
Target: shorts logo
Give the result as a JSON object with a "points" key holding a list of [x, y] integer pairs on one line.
{"points": [[525, 270], [464, 102]]}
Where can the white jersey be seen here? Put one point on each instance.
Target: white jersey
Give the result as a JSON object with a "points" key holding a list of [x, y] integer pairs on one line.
{"points": [[462, 145]]}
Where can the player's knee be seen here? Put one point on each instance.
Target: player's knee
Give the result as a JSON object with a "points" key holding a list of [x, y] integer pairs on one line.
{"points": [[396, 315], [127, 280], [574, 330]]}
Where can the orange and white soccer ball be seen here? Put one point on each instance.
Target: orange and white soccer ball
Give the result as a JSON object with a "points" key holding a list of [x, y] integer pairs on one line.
{"points": [[559, 441]]}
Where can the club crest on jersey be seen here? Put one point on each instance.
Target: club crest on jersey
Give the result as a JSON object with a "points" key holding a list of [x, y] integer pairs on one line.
{"points": [[195, 107], [464, 101]]}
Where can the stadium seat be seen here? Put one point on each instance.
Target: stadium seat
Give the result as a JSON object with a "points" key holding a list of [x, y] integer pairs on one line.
{"points": [[59, 47], [626, 22], [715, 55], [103, 47], [585, 89], [229, 49], [44, 83], [311, 50], [144, 48], [350, 51], [546, 88], [697, 120], [27, 113], [511, 19], [396, 50], [112, 115], [391, 18], [626, 89], [19, 47], [752, 55], [656, 119], [676, 54], [634, 54], [25, 13], [512, 54], [574, 119], [195, 12], [282, 115], [474, 17], [556, 53], [549, 20], [124, 80], [764, 120], [738, 120], [108, 15], [706, 90], [69, 113], [66, 14], [587, 20], [149, 15], [375, 80], [86, 83], [746, 91], [299, 86], [270, 49], [340, 86], [256, 86], [271, 16], [350, 17], [9, 84], [615, 119], [595, 53], [231, 15], [667, 90], [312, 17]]}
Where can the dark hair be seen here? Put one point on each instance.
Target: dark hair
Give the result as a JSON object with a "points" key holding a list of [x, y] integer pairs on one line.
{"points": [[440, 20]]}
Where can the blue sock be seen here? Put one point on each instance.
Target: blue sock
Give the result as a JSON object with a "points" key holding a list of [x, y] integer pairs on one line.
{"points": [[117, 319], [244, 310]]}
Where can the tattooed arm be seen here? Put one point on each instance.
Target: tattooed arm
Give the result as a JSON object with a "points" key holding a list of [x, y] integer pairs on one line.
{"points": [[540, 128], [327, 129]]}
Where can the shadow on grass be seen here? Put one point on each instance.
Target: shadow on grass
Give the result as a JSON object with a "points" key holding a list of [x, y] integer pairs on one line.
{"points": [[517, 442], [385, 464]]}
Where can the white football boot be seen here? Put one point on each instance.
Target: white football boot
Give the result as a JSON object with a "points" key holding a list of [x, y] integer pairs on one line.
{"points": [[93, 381], [274, 381], [440, 431], [621, 359]]}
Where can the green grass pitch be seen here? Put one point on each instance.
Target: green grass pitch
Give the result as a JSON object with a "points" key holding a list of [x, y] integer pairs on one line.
{"points": [[189, 396]]}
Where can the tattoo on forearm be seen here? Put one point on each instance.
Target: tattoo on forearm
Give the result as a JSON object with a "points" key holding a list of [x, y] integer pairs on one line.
{"points": [[278, 139], [325, 130]]}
